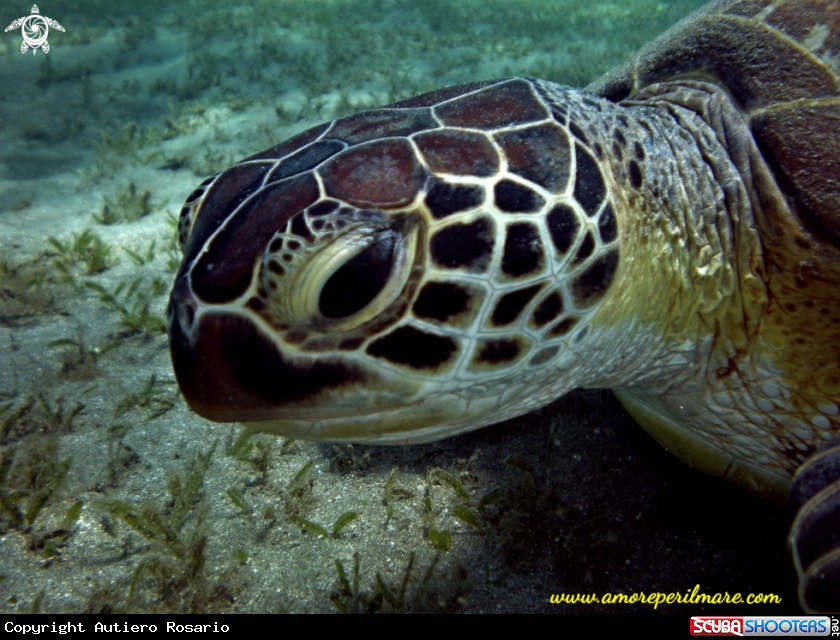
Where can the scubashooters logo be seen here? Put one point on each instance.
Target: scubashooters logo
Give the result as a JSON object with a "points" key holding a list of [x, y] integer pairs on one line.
{"points": [[35, 29], [760, 626]]}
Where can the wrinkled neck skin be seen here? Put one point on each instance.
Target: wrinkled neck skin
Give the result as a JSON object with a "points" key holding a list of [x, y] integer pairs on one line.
{"points": [[707, 359], [687, 294]]}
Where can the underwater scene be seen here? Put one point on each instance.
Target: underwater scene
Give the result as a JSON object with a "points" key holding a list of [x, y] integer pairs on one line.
{"points": [[116, 497]]}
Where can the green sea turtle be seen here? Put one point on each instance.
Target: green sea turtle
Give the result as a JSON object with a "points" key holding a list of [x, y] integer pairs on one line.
{"points": [[468, 255]]}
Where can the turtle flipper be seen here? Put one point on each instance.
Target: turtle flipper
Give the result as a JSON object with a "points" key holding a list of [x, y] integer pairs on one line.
{"points": [[814, 539]]}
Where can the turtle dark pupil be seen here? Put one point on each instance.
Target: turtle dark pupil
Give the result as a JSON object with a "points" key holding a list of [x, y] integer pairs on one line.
{"points": [[358, 281]]}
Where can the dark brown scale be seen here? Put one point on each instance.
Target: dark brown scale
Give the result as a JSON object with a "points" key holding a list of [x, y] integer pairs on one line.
{"points": [[464, 245], [306, 159], [295, 336], [383, 174], [510, 305], [224, 270], [540, 154], [607, 225], [558, 115], [639, 151], [586, 248], [276, 245], [580, 335], [591, 285], [322, 208], [503, 105], [300, 229], [444, 199], [548, 309], [513, 197], [589, 184], [257, 304], [232, 188], [619, 137], [460, 153], [562, 328], [351, 344], [413, 348], [634, 173], [563, 226], [381, 123], [577, 132], [523, 251], [440, 301], [497, 351], [543, 356]]}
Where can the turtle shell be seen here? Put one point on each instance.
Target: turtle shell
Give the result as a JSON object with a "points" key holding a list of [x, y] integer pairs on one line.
{"points": [[780, 64]]}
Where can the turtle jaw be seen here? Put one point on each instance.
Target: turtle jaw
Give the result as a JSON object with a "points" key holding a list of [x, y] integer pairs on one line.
{"points": [[427, 420], [229, 369]]}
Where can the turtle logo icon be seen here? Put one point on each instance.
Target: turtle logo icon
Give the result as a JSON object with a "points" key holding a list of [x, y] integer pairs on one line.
{"points": [[35, 28]]}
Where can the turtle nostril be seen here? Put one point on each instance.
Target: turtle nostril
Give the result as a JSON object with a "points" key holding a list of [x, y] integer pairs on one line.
{"points": [[186, 316], [182, 306]]}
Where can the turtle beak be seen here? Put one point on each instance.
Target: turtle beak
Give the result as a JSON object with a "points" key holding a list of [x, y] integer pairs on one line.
{"points": [[229, 370]]}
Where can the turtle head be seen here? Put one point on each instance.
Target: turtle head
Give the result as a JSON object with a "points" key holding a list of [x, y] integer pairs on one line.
{"points": [[279, 344], [391, 278]]}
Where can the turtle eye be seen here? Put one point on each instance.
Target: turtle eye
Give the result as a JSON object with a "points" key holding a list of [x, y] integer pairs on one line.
{"points": [[340, 283], [358, 281]]}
